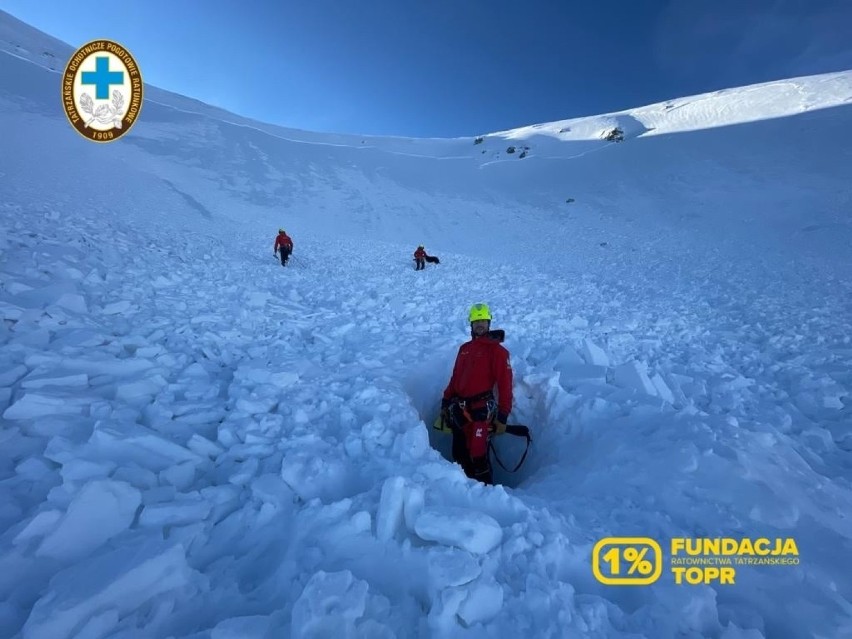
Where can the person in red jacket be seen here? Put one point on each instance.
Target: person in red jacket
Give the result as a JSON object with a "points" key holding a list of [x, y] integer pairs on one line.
{"points": [[420, 258], [469, 405], [284, 246]]}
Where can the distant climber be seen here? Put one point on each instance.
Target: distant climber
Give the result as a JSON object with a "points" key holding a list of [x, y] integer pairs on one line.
{"points": [[420, 258], [283, 246]]}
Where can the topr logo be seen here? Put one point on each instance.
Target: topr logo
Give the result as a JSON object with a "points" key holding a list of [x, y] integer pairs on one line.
{"points": [[102, 90]]}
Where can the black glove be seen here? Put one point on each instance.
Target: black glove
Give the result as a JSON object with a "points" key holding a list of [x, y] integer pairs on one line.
{"points": [[445, 411]]}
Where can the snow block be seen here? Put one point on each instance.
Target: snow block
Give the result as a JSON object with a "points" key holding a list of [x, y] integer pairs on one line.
{"points": [[123, 580], [310, 476], [78, 337], [117, 308], [134, 444], [579, 322], [11, 312], [40, 525], [35, 469], [260, 374], [285, 378], [149, 352], [255, 626], [142, 390], [594, 354], [223, 499], [14, 287], [449, 567], [100, 511], [141, 478], [72, 302], [257, 299], [567, 356], [204, 447], [99, 625], [37, 339], [40, 380], [95, 365], [483, 603], [76, 469], [162, 282], [253, 373], [255, 404], [195, 371], [94, 277], [663, 390], [245, 472], [415, 499], [69, 272], [573, 369], [329, 606], [12, 375], [389, 513], [181, 511], [443, 616], [469, 530], [732, 631], [577, 373], [413, 445], [271, 489], [60, 294], [179, 476], [632, 375], [35, 405]]}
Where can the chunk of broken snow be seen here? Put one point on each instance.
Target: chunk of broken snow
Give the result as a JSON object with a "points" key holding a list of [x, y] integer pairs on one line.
{"points": [[102, 509], [123, 579], [117, 308], [483, 603], [35, 405], [470, 530], [663, 390], [632, 375], [74, 380], [594, 354], [72, 302]]}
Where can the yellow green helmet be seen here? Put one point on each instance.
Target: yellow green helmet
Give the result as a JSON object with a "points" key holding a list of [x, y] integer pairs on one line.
{"points": [[479, 312]]}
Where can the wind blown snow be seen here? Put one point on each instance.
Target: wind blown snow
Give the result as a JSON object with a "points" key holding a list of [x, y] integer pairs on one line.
{"points": [[198, 442]]}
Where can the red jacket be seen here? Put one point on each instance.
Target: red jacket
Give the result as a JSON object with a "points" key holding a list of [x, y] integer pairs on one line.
{"points": [[481, 364], [283, 240], [420, 254]]}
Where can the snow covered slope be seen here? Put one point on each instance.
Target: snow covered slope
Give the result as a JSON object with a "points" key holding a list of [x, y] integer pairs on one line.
{"points": [[198, 442], [736, 169]]}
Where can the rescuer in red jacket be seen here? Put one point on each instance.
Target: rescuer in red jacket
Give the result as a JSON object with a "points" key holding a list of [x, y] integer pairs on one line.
{"points": [[420, 258], [284, 246], [469, 405]]}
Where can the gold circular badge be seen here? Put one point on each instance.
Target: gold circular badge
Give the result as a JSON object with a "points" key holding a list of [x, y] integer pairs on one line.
{"points": [[102, 90]]}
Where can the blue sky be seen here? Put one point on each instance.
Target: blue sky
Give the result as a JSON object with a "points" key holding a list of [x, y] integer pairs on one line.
{"points": [[443, 68]]}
